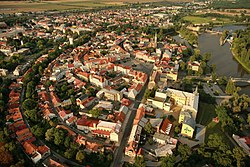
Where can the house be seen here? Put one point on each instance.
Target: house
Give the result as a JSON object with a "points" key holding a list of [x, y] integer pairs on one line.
{"points": [[48, 113], [66, 103], [98, 81], [126, 102], [35, 152], [108, 130], [80, 99], [166, 126], [110, 94], [53, 163], [24, 135], [156, 123], [134, 90], [3, 72], [188, 123], [159, 102], [107, 105], [154, 79], [243, 142], [164, 139], [194, 66], [64, 114], [71, 120], [31, 150], [139, 122], [87, 102], [86, 124], [165, 150], [55, 100], [184, 98]]}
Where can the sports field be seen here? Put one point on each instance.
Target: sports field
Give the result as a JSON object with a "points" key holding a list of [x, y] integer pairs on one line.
{"points": [[29, 6]]}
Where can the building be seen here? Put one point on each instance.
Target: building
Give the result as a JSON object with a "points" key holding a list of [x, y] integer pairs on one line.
{"points": [[164, 139], [131, 149], [110, 94], [165, 150], [188, 123], [3, 72], [98, 81], [166, 126], [184, 98], [243, 142]]}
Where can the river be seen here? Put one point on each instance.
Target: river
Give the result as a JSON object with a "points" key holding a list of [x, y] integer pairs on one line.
{"points": [[222, 57]]}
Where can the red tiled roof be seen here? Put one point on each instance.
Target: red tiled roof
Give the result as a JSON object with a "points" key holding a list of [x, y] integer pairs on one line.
{"points": [[87, 122], [165, 124], [29, 148], [43, 149]]}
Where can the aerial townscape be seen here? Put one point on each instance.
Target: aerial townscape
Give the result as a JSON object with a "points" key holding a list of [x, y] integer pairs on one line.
{"points": [[122, 83]]}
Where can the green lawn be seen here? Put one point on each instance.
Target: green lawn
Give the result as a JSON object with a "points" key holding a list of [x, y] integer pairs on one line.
{"points": [[205, 116], [206, 113], [200, 20]]}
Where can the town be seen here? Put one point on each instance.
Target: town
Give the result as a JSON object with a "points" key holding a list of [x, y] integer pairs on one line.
{"points": [[114, 87]]}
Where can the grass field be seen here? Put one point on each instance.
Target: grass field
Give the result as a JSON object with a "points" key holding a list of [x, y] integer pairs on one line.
{"points": [[26, 6], [206, 113], [200, 20], [205, 116]]}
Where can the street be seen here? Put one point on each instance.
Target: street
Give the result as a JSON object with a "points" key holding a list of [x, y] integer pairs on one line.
{"points": [[119, 152]]}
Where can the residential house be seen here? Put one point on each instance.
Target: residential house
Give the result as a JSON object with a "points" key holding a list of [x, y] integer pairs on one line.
{"points": [[98, 80], [110, 94], [71, 120]]}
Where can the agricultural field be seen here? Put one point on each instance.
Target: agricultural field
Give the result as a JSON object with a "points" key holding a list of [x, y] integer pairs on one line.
{"points": [[28, 6], [201, 20]]}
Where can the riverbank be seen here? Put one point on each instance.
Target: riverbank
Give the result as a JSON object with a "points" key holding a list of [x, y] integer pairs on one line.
{"points": [[240, 62]]}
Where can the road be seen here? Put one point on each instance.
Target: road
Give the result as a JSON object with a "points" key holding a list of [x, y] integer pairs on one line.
{"points": [[120, 150]]}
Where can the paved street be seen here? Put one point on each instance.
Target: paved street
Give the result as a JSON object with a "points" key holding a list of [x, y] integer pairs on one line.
{"points": [[119, 152]]}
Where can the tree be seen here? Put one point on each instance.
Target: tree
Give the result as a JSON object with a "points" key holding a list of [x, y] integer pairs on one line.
{"points": [[168, 161], [139, 162], [184, 151], [223, 116], [248, 119], [67, 141], [206, 57], [49, 135], [239, 155], [80, 156], [59, 136], [5, 156], [149, 128], [37, 130], [95, 112], [69, 153], [29, 104], [31, 114], [183, 65]]}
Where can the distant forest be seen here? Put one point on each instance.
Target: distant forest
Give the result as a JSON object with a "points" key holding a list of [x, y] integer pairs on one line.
{"points": [[234, 4]]}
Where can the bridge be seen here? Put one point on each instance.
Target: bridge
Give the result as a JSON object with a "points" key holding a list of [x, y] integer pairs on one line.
{"points": [[246, 80]]}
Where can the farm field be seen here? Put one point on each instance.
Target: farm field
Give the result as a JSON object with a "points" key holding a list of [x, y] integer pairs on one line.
{"points": [[200, 20], [27, 6]]}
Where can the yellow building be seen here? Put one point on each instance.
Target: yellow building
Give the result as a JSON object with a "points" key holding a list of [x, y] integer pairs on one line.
{"points": [[188, 123], [187, 130]]}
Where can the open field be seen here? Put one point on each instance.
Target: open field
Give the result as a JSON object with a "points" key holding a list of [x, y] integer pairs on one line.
{"points": [[26, 6], [200, 20]]}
